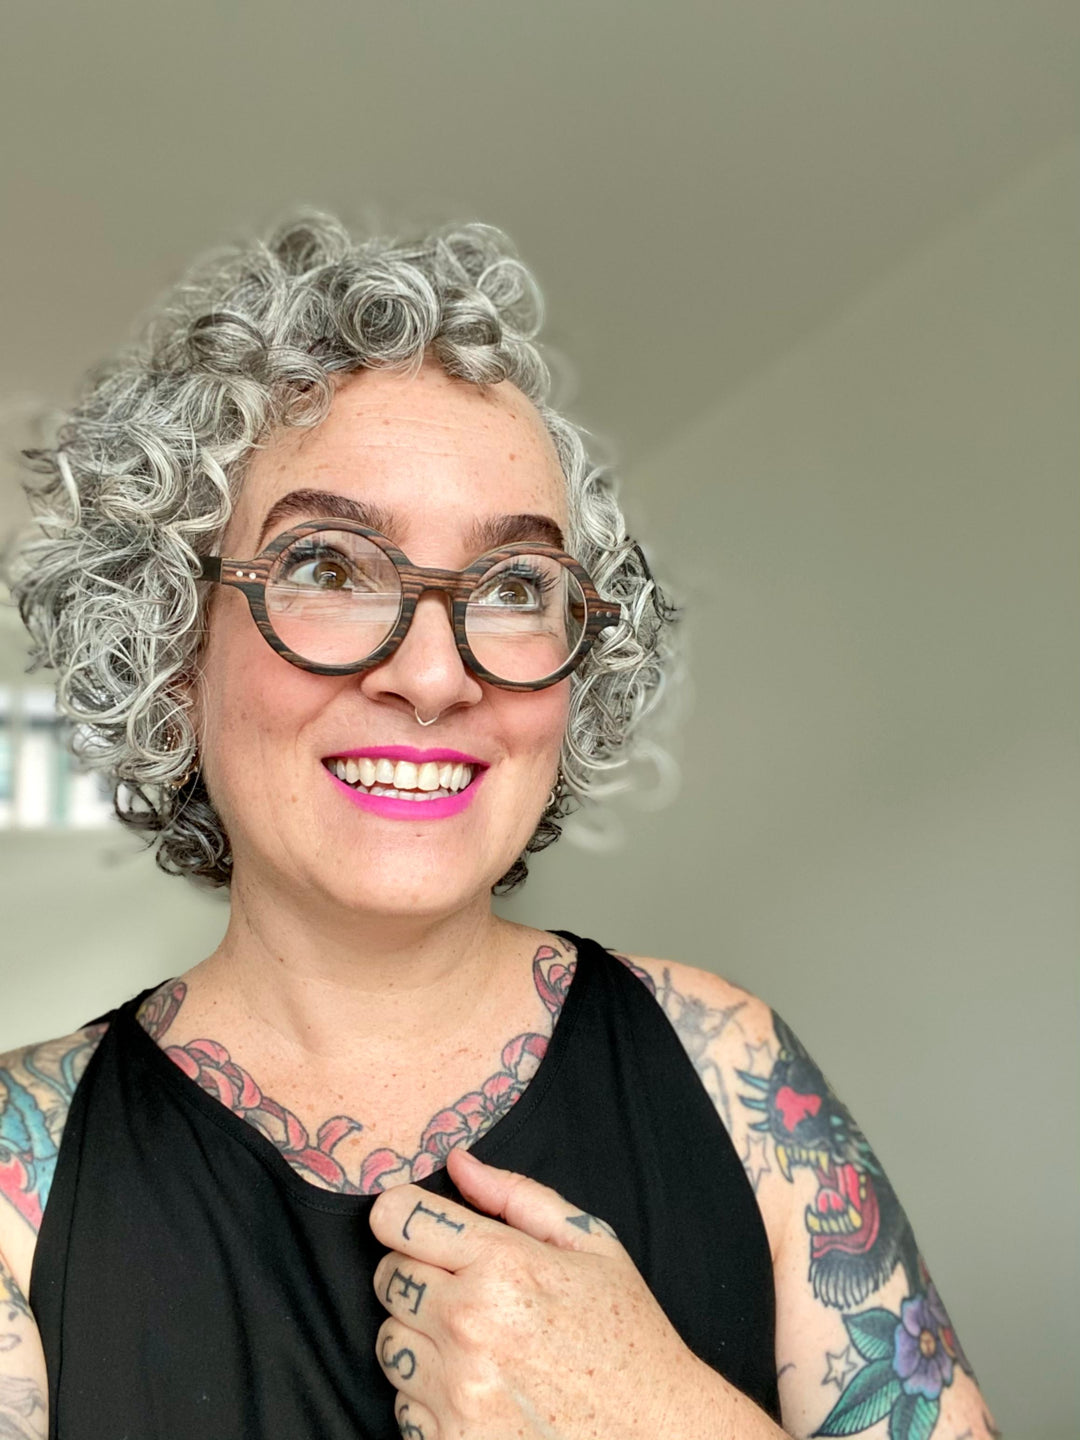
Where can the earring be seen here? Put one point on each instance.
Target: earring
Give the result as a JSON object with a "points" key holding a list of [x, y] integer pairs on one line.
{"points": [[183, 780]]}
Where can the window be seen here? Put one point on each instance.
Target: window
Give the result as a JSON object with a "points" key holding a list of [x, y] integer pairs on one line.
{"points": [[42, 784]]}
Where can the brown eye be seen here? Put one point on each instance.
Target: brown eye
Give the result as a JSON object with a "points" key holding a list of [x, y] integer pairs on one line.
{"points": [[512, 592], [325, 572], [522, 587], [329, 575]]}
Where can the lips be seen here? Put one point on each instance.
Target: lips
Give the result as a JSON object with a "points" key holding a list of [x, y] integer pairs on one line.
{"points": [[430, 779], [399, 782], [406, 769]]}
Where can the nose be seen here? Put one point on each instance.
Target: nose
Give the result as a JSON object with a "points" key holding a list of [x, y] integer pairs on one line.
{"points": [[425, 671]]}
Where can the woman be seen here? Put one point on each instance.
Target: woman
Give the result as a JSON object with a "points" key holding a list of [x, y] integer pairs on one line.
{"points": [[342, 608]]}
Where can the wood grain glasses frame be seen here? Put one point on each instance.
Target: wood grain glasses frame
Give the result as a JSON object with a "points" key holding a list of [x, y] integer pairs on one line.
{"points": [[251, 577]]}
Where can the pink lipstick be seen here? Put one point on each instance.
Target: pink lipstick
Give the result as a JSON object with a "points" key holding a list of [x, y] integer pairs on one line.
{"points": [[392, 808]]}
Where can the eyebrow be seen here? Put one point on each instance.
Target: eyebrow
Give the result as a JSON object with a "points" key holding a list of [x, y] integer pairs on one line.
{"points": [[483, 534]]}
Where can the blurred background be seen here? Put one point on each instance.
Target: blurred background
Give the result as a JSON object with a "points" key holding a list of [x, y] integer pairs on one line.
{"points": [[815, 270]]}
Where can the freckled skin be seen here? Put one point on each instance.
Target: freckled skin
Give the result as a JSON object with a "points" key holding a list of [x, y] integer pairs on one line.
{"points": [[329, 1158], [434, 452]]}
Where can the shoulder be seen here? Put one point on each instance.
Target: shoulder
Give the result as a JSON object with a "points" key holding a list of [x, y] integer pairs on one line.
{"points": [[856, 1306], [37, 1085], [693, 998], [712, 1016], [728, 1034]]}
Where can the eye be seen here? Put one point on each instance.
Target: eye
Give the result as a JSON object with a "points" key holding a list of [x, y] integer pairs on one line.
{"points": [[325, 567], [520, 586], [326, 574]]}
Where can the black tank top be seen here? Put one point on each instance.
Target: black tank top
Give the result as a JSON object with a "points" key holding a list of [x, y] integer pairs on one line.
{"points": [[187, 1281]]}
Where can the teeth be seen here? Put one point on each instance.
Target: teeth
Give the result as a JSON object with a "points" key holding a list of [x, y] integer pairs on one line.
{"points": [[404, 777], [791, 1154], [429, 781], [845, 1224], [418, 795]]}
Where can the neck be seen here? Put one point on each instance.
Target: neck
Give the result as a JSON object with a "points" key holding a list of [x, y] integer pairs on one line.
{"points": [[381, 981]]}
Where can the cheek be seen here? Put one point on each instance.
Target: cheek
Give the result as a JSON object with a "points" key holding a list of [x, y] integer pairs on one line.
{"points": [[537, 727], [251, 701]]}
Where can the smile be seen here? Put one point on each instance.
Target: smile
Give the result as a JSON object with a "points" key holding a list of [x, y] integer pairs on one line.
{"points": [[404, 779], [404, 784]]}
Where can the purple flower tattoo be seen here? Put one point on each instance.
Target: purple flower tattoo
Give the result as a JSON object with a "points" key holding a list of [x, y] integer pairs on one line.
{"points": [[920, 1358]]}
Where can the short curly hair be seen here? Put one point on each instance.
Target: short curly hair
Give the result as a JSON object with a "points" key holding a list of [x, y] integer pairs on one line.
{"points": [[142, 473]]}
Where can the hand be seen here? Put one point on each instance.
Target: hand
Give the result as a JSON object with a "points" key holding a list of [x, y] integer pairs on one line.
{"points": [[541, 1328]]}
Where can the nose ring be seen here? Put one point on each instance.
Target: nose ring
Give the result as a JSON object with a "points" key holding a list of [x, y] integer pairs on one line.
{"points": [[416, 712]]}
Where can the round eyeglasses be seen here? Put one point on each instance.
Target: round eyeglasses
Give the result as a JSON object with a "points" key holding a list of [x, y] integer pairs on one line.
{"points": [[336, 598]]}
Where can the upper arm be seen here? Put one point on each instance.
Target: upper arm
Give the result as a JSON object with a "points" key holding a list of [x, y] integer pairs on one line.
{"points": [[37, 1084], [864, 1345], [24, 1405]]}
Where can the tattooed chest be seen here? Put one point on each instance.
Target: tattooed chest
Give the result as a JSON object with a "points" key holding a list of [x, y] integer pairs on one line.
{"points": [[346, 1149], [358, 1150]]}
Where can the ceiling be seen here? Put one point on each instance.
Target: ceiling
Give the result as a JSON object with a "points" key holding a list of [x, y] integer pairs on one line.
{"points": [[695, 185]]}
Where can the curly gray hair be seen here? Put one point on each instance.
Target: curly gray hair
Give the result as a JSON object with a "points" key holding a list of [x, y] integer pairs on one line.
{"points": [[145, 468]]}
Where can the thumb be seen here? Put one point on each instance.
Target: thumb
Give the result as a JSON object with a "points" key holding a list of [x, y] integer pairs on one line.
{"points": [[528, 1206]]}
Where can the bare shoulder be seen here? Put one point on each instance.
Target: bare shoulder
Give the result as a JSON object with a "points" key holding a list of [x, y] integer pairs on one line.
{"points": [[727, 1032], [715, 1019], [37, 1084]]}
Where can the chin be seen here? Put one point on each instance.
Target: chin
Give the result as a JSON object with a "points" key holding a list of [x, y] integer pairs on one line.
{"points": [[391, 891]]}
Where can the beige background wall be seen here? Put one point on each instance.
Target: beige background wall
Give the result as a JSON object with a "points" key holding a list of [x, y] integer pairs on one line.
{"points": [[876, 537], [878, 824]]}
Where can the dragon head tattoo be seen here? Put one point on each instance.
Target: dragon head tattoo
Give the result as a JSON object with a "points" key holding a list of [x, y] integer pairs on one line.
{"points": [[858, 1232]]}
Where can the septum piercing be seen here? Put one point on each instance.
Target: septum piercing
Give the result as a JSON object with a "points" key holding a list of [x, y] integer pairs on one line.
{"points": [[416, 712]]}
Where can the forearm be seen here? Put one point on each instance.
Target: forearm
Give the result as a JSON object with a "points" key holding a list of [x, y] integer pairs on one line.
{"points": [[711, 1407]]}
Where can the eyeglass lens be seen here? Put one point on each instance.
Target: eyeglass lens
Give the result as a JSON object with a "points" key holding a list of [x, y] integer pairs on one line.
{"points": [[334, 597]]}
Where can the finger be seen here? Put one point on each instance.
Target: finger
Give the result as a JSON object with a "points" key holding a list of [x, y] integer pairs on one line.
{"points": [[415, 1421], [528, 1206], [441, 1232], [410, 1290], [409, 1360]]}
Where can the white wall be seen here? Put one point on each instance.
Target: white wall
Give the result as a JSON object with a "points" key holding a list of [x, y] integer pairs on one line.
{"points": [[878, 824]]}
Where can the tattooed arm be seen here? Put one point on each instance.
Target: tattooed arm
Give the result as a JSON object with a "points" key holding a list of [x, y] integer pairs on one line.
{"points": [[24, 1412], [864, 1343], [36, 1087]]}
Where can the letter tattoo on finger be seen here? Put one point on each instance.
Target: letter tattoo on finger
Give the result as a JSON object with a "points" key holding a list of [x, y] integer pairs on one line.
{"points": [[407, 1428], [406, 1286], [394, 1362], [440, 1217]]}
